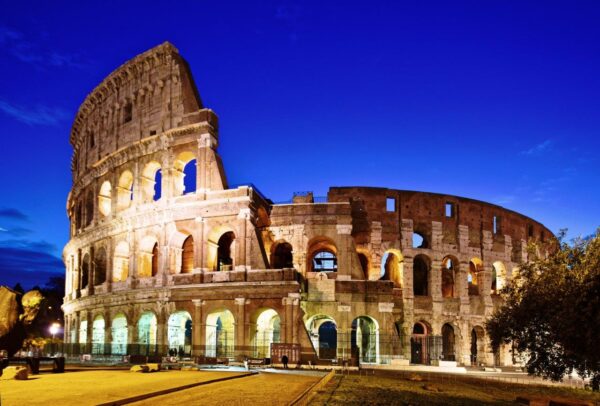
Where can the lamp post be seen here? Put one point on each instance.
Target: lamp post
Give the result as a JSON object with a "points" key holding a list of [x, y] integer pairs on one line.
{"points": [[54, 328]]}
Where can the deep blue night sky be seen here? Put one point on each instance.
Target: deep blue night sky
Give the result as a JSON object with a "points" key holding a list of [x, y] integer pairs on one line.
{"points": [[493, 100]]}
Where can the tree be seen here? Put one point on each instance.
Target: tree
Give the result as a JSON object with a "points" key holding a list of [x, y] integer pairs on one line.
{"points": [[551, 311]]}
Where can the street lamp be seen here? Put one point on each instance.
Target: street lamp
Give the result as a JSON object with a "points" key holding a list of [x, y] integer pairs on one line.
{"points": [[54, 328]]}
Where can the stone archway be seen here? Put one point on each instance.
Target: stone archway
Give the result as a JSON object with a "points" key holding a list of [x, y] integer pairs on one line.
{"points": [[220, 334]]}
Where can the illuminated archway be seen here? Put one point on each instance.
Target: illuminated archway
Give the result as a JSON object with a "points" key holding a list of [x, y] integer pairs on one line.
{"points": [[187, 255], [147, 329], [475, 266], [151, 182], [148, 257], [321, 255], [268, 330], [125, 190], [83, 326], [364, 339], [220, 334], [119, 335], [323, 334], [121, 262], [98, 329], [105, 198], [392, 267], [180, 333], [498, 277], [184, 174], [449, 265]]}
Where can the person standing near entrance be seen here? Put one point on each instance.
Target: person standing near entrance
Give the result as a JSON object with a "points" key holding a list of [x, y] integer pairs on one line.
{"points": [[285, 360]]}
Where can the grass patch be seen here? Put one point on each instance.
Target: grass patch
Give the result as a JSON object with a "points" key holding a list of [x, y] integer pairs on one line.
{"points": [[388, 389]]}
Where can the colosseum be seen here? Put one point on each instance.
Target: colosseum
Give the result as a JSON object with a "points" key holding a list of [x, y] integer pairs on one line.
{"points": [[165, 257]]}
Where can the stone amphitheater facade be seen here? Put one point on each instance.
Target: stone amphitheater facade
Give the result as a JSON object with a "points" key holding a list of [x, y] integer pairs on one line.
{"points": [[164, 256]]}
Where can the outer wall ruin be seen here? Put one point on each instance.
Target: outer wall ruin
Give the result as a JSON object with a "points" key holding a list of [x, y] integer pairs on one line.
{"points": [[164, 256]]}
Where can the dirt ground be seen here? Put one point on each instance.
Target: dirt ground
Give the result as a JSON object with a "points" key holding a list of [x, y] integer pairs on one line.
{"points": [[390, 390], [262, 389], [94, 387]]}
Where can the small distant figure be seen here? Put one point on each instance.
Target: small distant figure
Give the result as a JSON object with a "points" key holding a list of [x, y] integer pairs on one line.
{"points": [[285, 360]]}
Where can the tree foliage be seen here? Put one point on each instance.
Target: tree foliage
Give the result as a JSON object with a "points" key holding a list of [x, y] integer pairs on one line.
{"points": [[551, 312]]}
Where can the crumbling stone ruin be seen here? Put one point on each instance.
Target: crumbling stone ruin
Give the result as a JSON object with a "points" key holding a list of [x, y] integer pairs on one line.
{"points": [[166, 258]]}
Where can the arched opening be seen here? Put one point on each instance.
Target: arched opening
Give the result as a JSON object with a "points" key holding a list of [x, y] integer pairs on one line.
{"points": [[448, 275], [151, 182], [282, 256], [364, 264], [364, 340], [324, 261], [268, 330], [477, 345], [105, 198], [187, 255], [220, 334], [147, 328], [321, 255], [323, 334], [83, 325], [418, 344], [79, 216], [419, 240], [392, 267], [148, 257], [224, 259], [180, 334], [119, 335], [475, 266], [85, 271], [98, 329], [89, 208], [498, 277], [155, 260], [184, 174], [448, 343], [100, 267], [421, 275], [125, 190], [121, 262]]}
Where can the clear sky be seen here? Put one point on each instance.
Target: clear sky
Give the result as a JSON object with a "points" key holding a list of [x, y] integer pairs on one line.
{"points": [[493, 100]]}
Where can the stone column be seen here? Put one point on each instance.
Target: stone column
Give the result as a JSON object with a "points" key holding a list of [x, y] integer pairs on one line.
{"points": [[344, 331], [199, 245], [240, 345], [90, 328], [462, 276], [385, 348], [162, 339], [107, 332], [92, 272], [435, 280], [241, 260], [295, 316], [198, 329]]}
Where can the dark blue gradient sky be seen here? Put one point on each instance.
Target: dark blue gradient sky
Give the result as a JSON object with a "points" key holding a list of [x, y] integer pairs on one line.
{"points": [[493, 100]]}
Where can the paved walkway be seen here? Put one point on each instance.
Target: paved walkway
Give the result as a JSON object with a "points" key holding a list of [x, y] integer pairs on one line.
{"points": [[265, 388]]}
